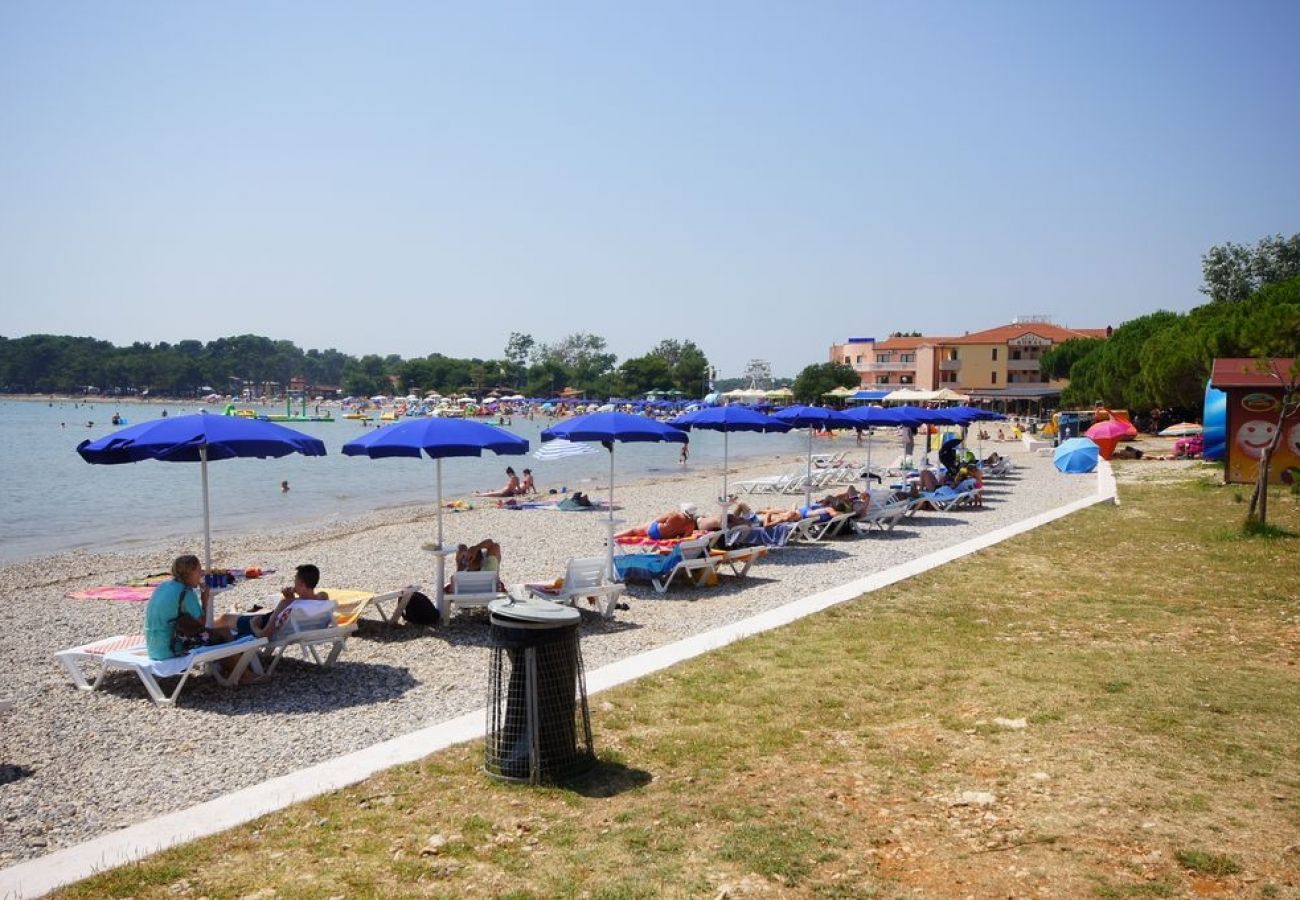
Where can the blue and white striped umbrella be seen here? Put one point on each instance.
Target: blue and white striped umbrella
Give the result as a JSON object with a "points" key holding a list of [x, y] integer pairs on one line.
{"points": [[560, 448]]}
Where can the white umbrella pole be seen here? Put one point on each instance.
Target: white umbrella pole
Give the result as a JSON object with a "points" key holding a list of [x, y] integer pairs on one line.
{"points": [[725, 503], [868, 459], [807, 481], [439, 565], [207, 529], [612, 574]]}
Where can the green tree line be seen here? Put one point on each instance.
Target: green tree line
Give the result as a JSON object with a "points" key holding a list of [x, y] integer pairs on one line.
{"points": [[1163, 359], [45, 363]]}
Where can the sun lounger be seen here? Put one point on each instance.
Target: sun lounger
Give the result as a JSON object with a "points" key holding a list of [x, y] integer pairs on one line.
{"points": [[690, 559], [128, 653], [314, 636], [730, 548], [770, 484], [351, 604], [945, 498], [584, 586], [472, 590], [884, 516]]}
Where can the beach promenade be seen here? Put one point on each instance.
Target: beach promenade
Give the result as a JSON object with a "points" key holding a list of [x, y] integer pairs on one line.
{"points": [[79, 765]]}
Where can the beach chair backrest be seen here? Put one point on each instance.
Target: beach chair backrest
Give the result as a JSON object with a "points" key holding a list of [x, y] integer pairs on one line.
{"points": [[585, 572], [474, 583]]}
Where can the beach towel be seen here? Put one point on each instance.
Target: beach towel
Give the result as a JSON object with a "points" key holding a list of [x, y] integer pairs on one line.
{"points": [[662, 545], [646, 566], [139, 590]]}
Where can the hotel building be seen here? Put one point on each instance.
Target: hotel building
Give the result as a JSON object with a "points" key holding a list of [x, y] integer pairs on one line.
{"points": [[997, 364]]}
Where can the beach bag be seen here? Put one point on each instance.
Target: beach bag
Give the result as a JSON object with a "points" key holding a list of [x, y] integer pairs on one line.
{"points": [[189, 632], [420, 610]]}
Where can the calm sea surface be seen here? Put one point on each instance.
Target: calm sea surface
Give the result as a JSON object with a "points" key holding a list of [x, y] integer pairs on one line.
{"points": [[53, 501]]}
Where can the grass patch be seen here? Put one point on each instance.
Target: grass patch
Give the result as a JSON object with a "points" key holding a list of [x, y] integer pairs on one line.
{"points": [[866, 751], [1207, 863]]}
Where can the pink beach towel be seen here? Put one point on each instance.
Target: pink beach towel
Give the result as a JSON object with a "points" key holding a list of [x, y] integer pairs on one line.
{"points": [[121, 592]]}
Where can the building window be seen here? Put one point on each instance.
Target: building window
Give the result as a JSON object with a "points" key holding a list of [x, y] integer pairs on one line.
{"points": [[995, 374], [882, 379], [882, 357], [907, 357], [846, 360], [995, 354], [905, 379], [859, 359]]}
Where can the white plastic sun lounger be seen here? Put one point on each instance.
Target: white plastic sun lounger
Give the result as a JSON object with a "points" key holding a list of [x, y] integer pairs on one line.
{"points": [[472, 590], [312, 636], [127, 652], [398, 599], [585, 581]]}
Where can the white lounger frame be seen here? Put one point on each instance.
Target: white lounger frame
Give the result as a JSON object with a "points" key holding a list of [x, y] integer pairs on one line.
{"points": [[136, 659]]}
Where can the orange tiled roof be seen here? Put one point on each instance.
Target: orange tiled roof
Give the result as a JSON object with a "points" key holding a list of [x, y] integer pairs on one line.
{"points": [[1003, 333], [908, 343]]}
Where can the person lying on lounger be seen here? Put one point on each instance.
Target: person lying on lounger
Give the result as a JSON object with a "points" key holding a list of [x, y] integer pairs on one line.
{"points": [[485, 556], [186, 592], [823, 509], [301, 597], [740, 514], [676, 524], [511, 488]]}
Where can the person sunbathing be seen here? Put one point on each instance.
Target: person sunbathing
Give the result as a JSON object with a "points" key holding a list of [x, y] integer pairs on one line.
{"points": [[740, 515], [485, 556], [527, 486], [669, 526], [301, 597], [511, 488]]}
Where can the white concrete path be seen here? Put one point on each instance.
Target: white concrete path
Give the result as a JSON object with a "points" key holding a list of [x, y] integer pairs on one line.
{"points": [[40, 876]]}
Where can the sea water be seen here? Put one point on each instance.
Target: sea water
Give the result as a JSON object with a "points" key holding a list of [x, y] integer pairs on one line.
{"points": [[53, 501]]}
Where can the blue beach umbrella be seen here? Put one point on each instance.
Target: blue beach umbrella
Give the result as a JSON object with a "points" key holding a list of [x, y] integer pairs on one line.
{"points": [[1075, 456], [200, 438], [436, 438], [610, 428], [812, 418], [728, 419]]}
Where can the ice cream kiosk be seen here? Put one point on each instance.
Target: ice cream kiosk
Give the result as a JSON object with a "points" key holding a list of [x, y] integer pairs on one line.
{"points": [[1254, 417]]}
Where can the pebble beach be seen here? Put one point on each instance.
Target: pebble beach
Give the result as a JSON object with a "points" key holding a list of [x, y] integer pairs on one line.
{"points": [[74, 765]]}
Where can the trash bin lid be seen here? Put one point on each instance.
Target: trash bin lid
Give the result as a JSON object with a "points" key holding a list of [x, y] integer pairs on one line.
{"points": [[533, 612]]}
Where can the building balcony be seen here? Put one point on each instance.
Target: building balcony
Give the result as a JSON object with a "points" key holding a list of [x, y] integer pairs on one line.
{"points": [[1022, 365], [886, 367], [950, 365]]}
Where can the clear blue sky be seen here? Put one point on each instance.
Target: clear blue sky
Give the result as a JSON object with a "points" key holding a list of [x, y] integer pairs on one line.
{"points": [[764, 179]]}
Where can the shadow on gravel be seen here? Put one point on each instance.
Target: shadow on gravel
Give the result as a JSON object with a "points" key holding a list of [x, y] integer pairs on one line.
{"points": [[608, 779], [928, 519], [10, 773], [295, 688]]}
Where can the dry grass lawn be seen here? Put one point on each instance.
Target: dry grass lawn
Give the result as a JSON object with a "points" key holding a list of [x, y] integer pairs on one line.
{"points": [[1105, 707]]}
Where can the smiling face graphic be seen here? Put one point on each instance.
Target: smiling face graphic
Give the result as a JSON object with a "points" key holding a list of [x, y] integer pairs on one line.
{"points": [[1254, 436]]}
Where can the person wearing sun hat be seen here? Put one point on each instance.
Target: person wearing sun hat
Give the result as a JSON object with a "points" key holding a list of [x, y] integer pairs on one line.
{"points": [[671, 525]]}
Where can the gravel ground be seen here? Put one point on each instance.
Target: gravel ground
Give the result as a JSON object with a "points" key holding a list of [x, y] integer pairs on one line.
{"points": [[74, 765]]}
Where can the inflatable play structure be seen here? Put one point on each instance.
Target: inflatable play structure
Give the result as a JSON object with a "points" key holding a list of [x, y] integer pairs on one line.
{"points": [[1255, 420], [1215, 418]]}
